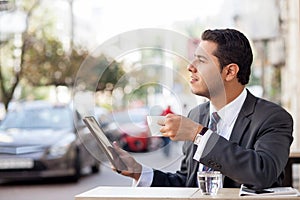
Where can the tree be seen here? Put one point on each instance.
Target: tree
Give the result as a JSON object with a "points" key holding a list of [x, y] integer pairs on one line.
{"points": [[8, 84], [46, 63], [43, 60]]}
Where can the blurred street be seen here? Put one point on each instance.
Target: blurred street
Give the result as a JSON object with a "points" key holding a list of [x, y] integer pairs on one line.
{"points": [[63, 190], [84, 59]]}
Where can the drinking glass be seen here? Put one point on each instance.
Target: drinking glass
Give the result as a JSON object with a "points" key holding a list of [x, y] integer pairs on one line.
{"points": [[209, 182]]}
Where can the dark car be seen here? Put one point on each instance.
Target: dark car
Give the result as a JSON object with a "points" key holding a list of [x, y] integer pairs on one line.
{"points": [[39, 140]]}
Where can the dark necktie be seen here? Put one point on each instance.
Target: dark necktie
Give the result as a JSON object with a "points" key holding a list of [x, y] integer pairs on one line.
{"points": [[214, 119]]}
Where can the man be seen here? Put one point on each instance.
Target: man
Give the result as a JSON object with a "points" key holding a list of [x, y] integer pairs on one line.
{"points": [[251, 140]]}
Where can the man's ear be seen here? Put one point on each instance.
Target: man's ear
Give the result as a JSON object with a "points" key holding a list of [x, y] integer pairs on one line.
{"points": [[230, 71]]}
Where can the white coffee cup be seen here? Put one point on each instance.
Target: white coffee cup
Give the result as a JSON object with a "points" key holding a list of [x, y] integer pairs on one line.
{"points": [[154, 126]]}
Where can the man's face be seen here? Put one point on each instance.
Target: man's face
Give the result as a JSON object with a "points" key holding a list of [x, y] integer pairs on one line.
{"points": [[205, 71]]}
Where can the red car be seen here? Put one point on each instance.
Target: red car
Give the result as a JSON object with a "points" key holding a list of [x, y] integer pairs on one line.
{"points": [[130, 129]]}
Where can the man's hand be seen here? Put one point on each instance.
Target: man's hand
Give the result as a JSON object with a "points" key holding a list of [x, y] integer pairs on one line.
{"points": [[179, 128], [134, 169]]}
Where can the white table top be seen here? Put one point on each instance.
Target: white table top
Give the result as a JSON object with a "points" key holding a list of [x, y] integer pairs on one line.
{"points": [[171, 193]]}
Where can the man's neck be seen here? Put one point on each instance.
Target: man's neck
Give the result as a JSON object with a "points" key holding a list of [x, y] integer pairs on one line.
{"points": [[226, 97]]}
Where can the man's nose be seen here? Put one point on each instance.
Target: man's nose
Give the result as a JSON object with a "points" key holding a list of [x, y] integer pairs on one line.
{"points": [[192, 68]]}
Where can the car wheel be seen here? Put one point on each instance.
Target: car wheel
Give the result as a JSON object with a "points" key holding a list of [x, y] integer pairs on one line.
{"points": [[95, 168], [139, 146], [77, 167]]}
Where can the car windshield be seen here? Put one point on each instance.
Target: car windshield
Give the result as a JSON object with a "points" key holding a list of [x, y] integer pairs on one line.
{"points": [[46, 118]]}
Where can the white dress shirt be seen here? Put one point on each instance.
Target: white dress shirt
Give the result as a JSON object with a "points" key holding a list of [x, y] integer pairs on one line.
{"points": [[228, 115]]}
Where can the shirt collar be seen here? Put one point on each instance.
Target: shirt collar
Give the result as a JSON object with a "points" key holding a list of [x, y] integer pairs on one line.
{"points": [[230, 111]]}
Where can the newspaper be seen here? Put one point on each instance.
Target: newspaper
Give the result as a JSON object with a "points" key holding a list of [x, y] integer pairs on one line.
{"points": [[275, 191], [104, 143]]}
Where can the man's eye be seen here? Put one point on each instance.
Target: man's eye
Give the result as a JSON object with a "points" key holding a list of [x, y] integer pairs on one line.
{"points": [[200, 59]]}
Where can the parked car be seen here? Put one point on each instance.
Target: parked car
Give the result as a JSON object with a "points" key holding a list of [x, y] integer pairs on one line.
{"points": [[39, 140], [129, 127]]}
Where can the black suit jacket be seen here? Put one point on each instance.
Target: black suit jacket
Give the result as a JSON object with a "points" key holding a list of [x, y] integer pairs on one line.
{"points": [[255, 155]]}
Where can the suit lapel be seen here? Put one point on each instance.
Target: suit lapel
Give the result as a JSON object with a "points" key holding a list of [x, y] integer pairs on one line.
{"points": [[204, 115], [239, 129], [243, 120]]}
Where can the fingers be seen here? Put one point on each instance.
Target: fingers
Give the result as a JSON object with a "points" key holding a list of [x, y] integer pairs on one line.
{"points": [[170, 135], [179, 128], [161, 122], [170, 126], [116, 145], [118, 148], [133, 168], [167, 131], [115, 170]]}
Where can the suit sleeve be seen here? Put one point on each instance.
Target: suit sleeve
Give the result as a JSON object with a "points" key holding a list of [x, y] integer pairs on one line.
{"points": [[258, 159], [185, 177]]}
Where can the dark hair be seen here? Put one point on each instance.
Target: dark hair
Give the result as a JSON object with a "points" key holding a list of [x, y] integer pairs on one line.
{"points": [[232, 47]]}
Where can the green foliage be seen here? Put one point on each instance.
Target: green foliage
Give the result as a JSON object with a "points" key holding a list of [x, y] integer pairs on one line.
{"points": [[36, 93], [47, 63], [43, 60], [111, 75], [101, 73]]}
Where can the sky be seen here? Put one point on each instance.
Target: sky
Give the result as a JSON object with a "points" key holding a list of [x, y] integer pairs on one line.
{"points": [[111, 17], [99, 20]]}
